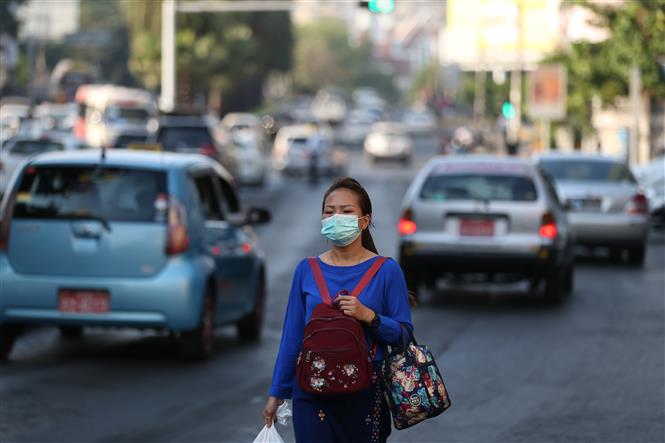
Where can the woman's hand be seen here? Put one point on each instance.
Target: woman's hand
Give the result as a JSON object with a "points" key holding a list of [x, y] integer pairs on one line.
{"points": [[270, 410], [352, 307]]}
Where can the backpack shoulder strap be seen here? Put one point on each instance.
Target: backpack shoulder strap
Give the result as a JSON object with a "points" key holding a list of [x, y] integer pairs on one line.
{"points": [[364, 281], [320, 281]]}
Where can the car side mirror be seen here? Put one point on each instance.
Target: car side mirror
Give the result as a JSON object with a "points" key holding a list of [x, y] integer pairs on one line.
{"points": [[257, 216]]}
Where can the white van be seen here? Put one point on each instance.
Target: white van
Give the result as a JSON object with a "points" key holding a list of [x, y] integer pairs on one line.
{"points": [[108, 113]]}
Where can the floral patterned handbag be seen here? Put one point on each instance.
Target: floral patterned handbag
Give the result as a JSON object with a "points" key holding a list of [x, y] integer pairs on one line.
{"points": [[412, 383]]}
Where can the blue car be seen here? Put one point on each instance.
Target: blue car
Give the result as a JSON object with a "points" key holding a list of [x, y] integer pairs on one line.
{"points": [[129, 239]]}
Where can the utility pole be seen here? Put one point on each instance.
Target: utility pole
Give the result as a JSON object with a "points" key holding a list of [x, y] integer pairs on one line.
{"points": [[515, 124], [167, 98], [635, 89]]}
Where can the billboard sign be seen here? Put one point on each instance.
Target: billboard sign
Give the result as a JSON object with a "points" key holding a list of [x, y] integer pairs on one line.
{"points": [[546, 93]]}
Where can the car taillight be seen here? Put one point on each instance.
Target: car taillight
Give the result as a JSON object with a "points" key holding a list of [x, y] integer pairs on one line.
{"points": [[406, 225], [548, 228], [208, 150], [6, 223], [178, 238], [638, 205]]}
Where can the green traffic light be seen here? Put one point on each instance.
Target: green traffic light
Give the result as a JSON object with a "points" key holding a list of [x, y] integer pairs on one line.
{"points": [[508, 110], [382, 6]]}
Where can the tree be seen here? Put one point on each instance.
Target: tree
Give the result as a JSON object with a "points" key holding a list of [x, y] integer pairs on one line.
{"points": [[106, 16], [601, 69], [8, 21], [324, 57], [226, 53]]}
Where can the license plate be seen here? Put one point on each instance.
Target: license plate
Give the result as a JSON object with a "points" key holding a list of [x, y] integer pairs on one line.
{"points": [[586, 204], [474, 227], [83, 301]]}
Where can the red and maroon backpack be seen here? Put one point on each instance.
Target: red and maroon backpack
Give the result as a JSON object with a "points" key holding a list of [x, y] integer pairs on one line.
{"points": [[334, 358]]}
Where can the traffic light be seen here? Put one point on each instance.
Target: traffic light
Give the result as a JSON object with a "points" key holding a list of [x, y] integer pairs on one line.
{"points": [[381, 6], [508, 110]]}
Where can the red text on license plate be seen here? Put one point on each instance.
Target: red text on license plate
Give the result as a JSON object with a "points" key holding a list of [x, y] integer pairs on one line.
{"points": [[83, 301], [476, 227]]}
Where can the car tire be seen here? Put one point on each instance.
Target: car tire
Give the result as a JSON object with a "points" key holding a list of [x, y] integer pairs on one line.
{"points": [[637, 255], [71, 332], [554, 287], [569, 279], [249, 328], [198, 344], [8, 336], [616, 254], [413, 282]]}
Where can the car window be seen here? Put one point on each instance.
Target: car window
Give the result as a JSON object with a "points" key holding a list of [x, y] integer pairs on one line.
{"points": [[31, 147], [114, 113], [549, 187], [587, 170], [209, 196], [229, 201], [478, 187], [193, 137], [116, 194]]}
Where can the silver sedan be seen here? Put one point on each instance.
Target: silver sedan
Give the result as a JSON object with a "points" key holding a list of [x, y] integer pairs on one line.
{"points": [[605, 205], [493, 218]]}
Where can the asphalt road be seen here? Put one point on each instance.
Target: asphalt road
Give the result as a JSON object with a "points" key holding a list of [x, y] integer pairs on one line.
{"points": [[590, 370]]}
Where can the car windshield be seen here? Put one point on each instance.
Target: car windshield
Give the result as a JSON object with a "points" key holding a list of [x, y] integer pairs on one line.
{"points": [[478, 187], [113, 194], [116, 113], [587, 170], [31, 147], [192, 137]]}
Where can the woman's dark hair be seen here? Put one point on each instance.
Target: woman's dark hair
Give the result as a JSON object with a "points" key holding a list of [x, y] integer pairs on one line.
{"points": [[365, 205]]}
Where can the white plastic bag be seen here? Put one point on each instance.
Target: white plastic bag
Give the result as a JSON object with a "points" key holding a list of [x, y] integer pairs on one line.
{"points": [[284, 413], [270, 434]]}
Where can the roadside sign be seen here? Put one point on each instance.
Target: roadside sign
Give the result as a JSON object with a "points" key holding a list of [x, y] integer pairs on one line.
{"points": [[546, 93]]}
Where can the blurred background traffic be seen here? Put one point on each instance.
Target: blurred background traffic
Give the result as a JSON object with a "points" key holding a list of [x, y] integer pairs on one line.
{"points": [[514, 152]]}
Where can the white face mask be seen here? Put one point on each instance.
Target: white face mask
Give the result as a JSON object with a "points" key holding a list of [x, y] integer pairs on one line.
{"points": [[341, 229]]}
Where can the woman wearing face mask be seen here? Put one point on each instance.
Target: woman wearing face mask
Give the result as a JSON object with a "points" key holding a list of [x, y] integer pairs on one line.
{"points": [[381, 307]]}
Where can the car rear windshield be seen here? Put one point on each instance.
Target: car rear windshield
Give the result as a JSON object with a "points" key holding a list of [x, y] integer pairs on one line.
{"points": [[30, 147], [587, 170], [111, 194], [478, 187], [191, 137]]}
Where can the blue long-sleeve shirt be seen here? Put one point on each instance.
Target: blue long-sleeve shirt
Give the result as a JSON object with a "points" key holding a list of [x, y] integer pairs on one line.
{"points": [[386, 294]]}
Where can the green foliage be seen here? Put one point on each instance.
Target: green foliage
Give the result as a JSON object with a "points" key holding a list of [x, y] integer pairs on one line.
{"points": [[214, 51], [113, 60], [324, 57], [8, 21], [637, 36]]}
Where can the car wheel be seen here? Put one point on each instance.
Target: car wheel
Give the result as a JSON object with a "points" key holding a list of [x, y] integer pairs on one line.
{"points": [[636, 255], [71, 332], [616, 255], [569, 279], [8, 335], [198, 344], [249, 328], [413, 283], [554, 286]]}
